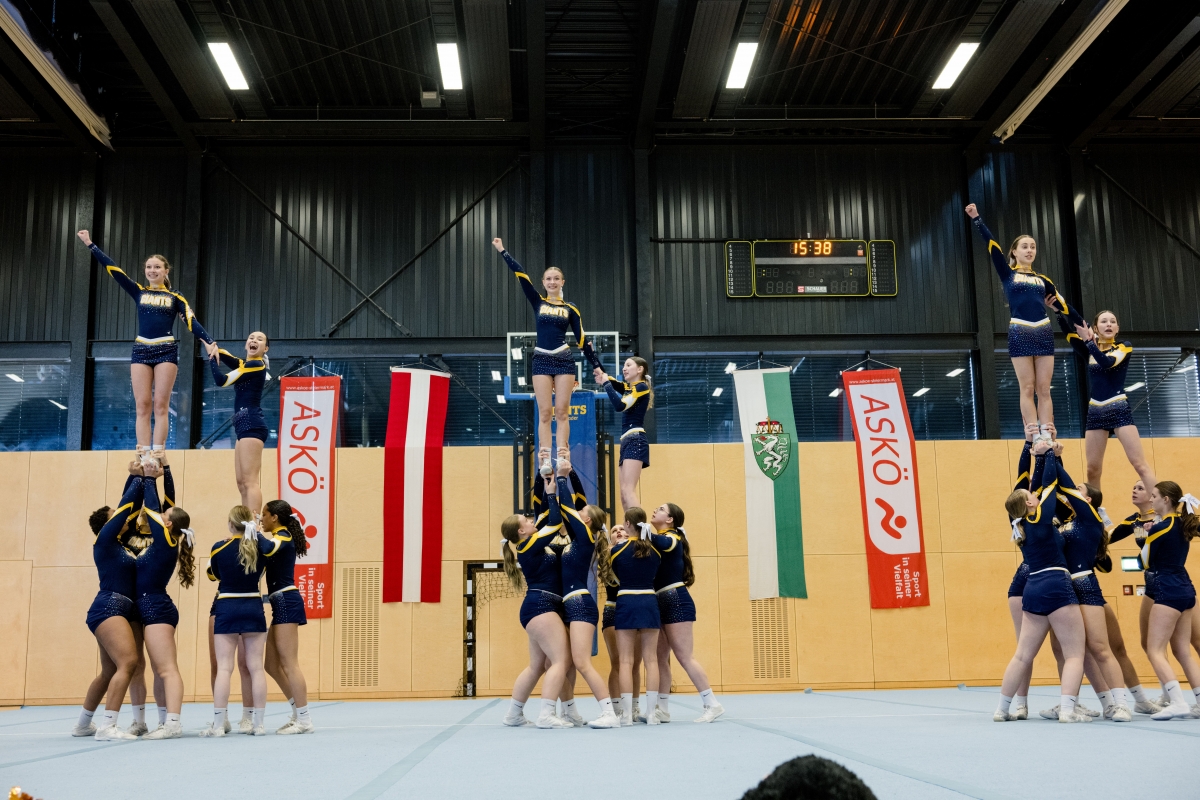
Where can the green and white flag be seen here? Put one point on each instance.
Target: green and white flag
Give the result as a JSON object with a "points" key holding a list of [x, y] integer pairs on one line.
{"points": [[776, 545]]}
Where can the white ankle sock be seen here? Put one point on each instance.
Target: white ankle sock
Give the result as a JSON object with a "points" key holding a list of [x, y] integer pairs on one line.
{"points": [[1197, 693], [171, 718], [247, 713], [1120, 696], [708, 698], [515, 708], [651, 702], [626, 703], [85, 717], [1005, 703], [292, 703], [1021, 700], [256, 718], [606, 706], [663, 699], [139, 714], [548, 706], [219, 717], [569, 708], [302, 714], [107, 719], [1106, 699], [1066, 704], [1175, 693], [1139, 694], [162, 715]]}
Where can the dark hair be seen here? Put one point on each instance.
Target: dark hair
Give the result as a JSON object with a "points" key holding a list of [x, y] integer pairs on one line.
{"points": [[283, 510], [689, 575], [1171, 491], [811, 778], [510, 529], [1011, 258], [98, 519], [634, 517], [645, 367], [602, 556], [180, 519]]}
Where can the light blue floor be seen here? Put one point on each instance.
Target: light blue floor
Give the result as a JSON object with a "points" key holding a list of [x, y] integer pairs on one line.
{"points": [[929, 744]]}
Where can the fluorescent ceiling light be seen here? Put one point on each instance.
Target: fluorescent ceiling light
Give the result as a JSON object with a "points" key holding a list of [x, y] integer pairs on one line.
{"points": [[835, 392], [495, 374], [12, 377], [954, 373], [516, 354], [229, 66], [500, 399], [57, 404], [520, 380], [921, 391], [717, 391], [954, 67], [1135, 387], [1188, 368], [448, 59], [730, 368], [742, 61]]}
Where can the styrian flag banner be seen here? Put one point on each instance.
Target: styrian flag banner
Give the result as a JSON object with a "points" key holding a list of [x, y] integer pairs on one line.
{"points": [[776, 546], [891, 494], [412, 487]]}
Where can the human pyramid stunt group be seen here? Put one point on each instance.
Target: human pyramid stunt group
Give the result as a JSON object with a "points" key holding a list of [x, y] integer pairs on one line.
{"points": [[644, 562]]}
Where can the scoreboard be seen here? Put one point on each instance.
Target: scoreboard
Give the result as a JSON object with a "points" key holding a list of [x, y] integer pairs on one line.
{"points": [[810, 268]]}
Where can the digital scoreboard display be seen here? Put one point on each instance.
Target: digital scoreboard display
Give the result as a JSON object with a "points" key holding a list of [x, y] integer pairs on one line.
{"points": [[811, 268]]}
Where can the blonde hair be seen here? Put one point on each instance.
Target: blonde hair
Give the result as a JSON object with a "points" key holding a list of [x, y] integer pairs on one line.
{"points": [[599, 518], [1013, 259], [510, 529], [1017, 508], [247, 548]]}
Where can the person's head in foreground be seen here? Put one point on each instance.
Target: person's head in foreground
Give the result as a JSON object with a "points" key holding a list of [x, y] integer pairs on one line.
{"points": [[810, 778]]}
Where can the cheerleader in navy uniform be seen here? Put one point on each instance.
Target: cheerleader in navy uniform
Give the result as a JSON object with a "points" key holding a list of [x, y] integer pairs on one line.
{"points": [[112, 617], [287, 612], [238, 563], [579, 605], [1171, 618], [1049, 601], [155, 359], [1030, 337], [1109, 413], [1016, 588], [171, 545], [632, 397], [677, 611], [553, 366], [247, 377], [532, 564], [636, 555]]}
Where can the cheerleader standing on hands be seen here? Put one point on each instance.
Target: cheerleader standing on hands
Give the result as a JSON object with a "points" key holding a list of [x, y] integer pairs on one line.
{"points": [[553, 366], [632, 397], [247, 379]]}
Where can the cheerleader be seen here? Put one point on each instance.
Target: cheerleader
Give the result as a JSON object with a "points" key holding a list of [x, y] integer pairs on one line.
{"points": [[635, 561], [155, 359], [609, 627], [632, 397], [1030, 337], [1016, 588], [247, 377], [553, 366], [677, 612], [1165, 552], [531, 564], [112, 617], [171, 544], [287, 612], [1109, 413], [1048, 601], [583, 550], [237, 563]]}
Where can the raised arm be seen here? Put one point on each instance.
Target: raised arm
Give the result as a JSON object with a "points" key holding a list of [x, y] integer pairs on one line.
{"points": [[131, 505], [1023, 466], [580, 533], [1048, 497], [995, 251], [158, 528], [168, 486], [531, 294], [124, 281]]}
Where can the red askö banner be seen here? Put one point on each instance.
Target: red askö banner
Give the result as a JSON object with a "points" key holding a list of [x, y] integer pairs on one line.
{"points": [[890, 491]]}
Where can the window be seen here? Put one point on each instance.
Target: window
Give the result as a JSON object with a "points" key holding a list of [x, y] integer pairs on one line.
{"points": [[114, 416], [33, 405], [1166, 404], [1064, 392]]}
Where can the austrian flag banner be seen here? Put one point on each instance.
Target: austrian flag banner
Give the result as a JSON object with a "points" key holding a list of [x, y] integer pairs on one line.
{"points": [[307, 454], [887, 478], [412, 486]]}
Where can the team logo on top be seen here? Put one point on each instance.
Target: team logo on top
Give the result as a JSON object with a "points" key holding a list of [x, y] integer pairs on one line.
{"points": [[772, 448]]}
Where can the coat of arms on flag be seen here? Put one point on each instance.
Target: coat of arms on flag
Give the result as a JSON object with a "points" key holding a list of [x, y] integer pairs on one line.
{"points": [[772, 448]]}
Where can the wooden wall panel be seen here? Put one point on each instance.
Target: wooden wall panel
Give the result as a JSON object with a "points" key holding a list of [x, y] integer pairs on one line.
{"points": [[358, 529], [683, 474], [437, 633], [466, 510], [931, 516], [973, 480], [17, 579], [14, 493], [62, 657], [1173, 460], [835, 644], [829, 500], [64, 488], [729, 499], [894, 630]]}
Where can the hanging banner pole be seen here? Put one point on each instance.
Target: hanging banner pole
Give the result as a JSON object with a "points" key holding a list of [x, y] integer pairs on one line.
{"points": [[890, 491], [307, 460]]}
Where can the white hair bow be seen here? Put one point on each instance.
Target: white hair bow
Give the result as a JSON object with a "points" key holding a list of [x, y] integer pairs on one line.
{"points": [[190, 535], [503, 542], [1016, 534], [646, 529], [249, 529], [1190, 503], [682, 532]]}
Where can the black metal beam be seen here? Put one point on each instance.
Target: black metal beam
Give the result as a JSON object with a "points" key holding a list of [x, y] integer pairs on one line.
{"points": [[78, 411], [190, 380], [535, 59], [657, 55], [133, 53], [433, 129], [707, 53], [190, 63], [1173, 88], [758, 123]]}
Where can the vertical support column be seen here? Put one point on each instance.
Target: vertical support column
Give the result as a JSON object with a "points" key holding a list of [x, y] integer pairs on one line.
{"points": [[81, 282], [189, 379], [1075, 206], [976, 165], [535, 51], [644, 266]]}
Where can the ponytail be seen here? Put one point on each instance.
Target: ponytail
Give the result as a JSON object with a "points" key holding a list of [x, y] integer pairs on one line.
{"points": [[602, 556], [634, 519], [1187, 515], [645, 366], [180, 522], [239, 517], [689, 574], [1016, 508], [510, 529], [283, 510]]}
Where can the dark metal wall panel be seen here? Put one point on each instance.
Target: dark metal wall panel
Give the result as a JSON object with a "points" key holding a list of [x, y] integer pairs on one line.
{"points": [[912, 196], [368, 211], [38, 194], [142, 194], [589, 231], [1140, 272], [1022, 196]]}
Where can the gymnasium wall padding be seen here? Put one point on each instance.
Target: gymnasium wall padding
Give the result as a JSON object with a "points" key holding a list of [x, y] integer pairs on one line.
{"points": [[835, 640]]}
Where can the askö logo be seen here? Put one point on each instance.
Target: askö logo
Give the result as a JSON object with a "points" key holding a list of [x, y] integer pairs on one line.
{"points": [[772, 448]]}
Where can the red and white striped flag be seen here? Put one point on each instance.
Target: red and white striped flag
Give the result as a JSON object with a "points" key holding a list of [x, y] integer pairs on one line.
{"points": [[412, 487]]}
